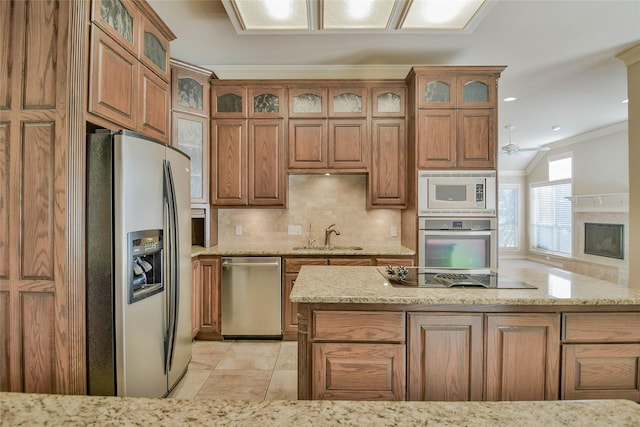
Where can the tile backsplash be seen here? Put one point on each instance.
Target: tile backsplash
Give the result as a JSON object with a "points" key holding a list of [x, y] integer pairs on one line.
{"points": [[317, 201]]}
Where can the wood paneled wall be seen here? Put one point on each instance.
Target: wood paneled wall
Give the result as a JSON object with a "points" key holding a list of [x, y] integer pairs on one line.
{"points": [[34, 137]]}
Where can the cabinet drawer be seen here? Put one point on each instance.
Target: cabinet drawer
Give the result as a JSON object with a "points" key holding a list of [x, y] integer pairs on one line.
{"points": [[601, 327], [293, 265], [359, 326], [350, 261]]}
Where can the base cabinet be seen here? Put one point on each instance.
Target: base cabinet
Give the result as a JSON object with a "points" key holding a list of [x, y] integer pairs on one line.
{"points": [[210, 327], [601, 356], [445, 356], [523, 356]]}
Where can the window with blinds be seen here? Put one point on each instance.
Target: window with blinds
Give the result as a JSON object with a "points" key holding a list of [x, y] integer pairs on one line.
{"points": [[551, 214], [508, 227]]}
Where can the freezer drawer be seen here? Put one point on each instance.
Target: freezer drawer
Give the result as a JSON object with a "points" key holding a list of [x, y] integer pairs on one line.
{"points": [[251, 297]]}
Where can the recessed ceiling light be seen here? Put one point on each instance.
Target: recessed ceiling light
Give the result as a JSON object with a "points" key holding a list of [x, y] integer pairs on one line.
{"points": [[449, 14], [510, 99], [555, 128], [626, 101], [301, 16]]}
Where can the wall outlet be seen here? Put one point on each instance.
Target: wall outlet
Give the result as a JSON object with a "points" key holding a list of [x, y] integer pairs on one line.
{"points": [[295, 230], [394, 231], [238, 230]]}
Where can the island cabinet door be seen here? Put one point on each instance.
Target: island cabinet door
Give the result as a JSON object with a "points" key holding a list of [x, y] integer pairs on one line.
{"points": [[358, 371], [522, 356], [445, 357]]}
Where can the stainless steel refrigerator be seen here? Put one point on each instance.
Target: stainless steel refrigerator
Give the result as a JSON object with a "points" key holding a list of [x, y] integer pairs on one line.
{"points": [[138, 265]]}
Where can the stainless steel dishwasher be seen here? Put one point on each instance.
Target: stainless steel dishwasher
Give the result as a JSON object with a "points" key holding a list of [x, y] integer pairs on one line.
{"points": [[251, 297]]}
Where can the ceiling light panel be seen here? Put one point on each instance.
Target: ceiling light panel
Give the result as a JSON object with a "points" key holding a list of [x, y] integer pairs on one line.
{"points": [[356, 14], [272, 14], [441, 14]]}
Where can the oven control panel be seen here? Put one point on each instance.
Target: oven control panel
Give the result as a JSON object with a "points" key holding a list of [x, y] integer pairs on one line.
{"points": [[457, 224]]}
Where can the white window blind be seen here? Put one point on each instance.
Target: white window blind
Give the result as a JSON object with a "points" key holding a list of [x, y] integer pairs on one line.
{"points": [[551, 218]]}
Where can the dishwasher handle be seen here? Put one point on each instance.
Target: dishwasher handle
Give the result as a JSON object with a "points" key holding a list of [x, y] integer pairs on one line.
{"points": [[227, 264]]}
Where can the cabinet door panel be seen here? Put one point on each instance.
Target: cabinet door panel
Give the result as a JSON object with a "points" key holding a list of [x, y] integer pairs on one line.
{"points": [[387, 177], [601, 371], [445, 357], [348, 102], [388, 102], [289, 309], [196, 297], [359, 371], [436, 92], [307, 102], [266, 184], [307, 144], [348, 144], [476, 138], [522, 357], [114, 81], [210, 299], [476, 91], [436, 139], [228, 162], [191, 135], [154, 101]]}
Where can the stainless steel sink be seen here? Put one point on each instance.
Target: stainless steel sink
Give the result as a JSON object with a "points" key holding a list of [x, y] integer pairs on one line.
{"points": [[325, 248]]}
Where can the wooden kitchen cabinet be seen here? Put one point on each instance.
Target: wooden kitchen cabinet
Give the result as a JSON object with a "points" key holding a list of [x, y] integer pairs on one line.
{"points": [[601, 356], [228, 163], [266, 180], [457, 91], [388, 101], [247, 163], [129, 68], [388, 172], [307, 102], [190, 88], [351, 101], [191, 135], [445, 356], [456, 117], [267, 102], [326, 145], [154, 104], [210, 298], [457, 139], [358, 355], [196, 296], [522, 356], [114, 81], [228, 102]]}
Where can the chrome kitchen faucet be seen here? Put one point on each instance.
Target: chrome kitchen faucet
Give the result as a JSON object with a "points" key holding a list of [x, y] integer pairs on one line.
{"points": [[327, 235]]}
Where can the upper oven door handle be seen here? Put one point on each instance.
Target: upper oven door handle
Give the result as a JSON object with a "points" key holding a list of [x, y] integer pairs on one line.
{"points": [[458, 232]]}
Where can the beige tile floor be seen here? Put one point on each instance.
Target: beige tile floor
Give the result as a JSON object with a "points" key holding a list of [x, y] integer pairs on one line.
{"points": [[241, 370]]}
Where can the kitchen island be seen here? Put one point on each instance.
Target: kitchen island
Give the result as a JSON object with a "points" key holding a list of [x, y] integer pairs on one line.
{"points": [[18, 409], [362, 337]]}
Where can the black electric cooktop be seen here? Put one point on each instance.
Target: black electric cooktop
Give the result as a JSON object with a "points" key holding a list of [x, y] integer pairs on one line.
{"points": [[450, 278]]}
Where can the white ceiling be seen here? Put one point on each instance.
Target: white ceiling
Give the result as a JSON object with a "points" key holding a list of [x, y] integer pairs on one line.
{"points": [[560, 57]]}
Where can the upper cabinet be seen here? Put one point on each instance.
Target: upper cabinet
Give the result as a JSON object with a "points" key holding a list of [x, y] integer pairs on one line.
{"points": [[310, 102], [129, 68], [464, 91], [266, 102], [190, 123], [456, 116], [228, 102], [388, 101], [348, 101]]}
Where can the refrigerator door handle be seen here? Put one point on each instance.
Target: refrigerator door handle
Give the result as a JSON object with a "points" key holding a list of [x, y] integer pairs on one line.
{"points": [[175, 291], [169, 197]]}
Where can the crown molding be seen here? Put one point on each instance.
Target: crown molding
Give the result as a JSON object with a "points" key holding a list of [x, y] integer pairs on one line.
{"points": [[630, 56], [252, 72]]}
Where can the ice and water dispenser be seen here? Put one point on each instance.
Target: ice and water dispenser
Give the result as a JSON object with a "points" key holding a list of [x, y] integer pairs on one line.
{"points": [[145, 264]]}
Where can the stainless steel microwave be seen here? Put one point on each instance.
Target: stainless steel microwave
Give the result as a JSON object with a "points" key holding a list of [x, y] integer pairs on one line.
{"points": [[457, 192]]}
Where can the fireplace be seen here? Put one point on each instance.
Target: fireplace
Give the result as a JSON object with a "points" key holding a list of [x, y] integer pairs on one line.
{"points": [[604, 240]]}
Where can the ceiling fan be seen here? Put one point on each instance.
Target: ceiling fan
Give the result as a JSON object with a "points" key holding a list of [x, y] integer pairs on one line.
{"points": [[512, 148]]}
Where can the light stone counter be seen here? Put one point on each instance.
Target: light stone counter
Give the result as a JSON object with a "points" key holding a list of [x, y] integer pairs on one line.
{"points": [[56, 410], [274, 249], [365, 285]]}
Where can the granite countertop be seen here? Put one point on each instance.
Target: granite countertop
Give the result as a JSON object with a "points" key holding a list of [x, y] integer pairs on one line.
{"points": [[18, 409], [272, 249], [365, 285]]}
